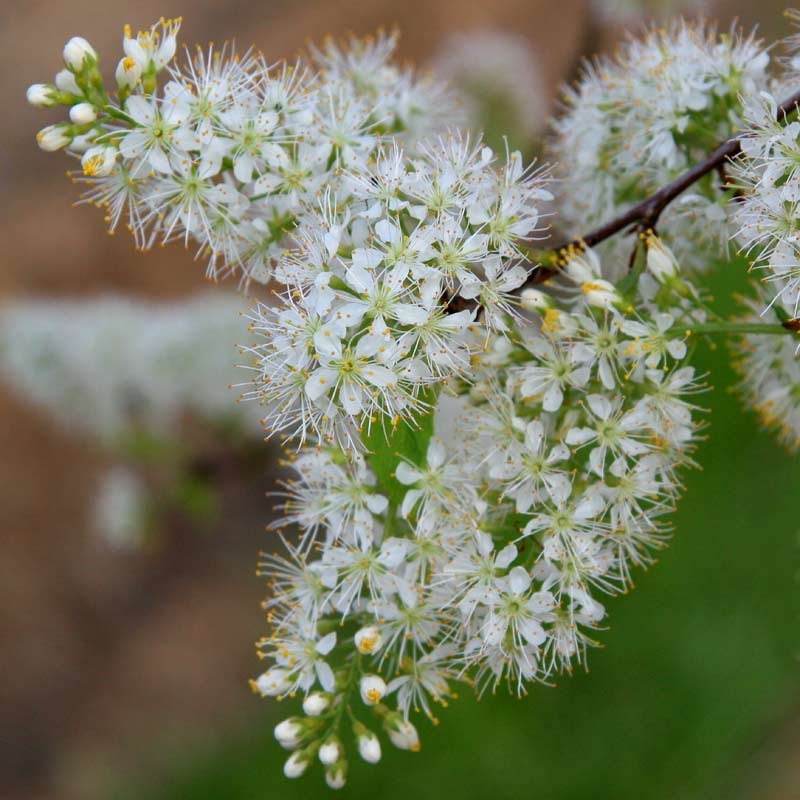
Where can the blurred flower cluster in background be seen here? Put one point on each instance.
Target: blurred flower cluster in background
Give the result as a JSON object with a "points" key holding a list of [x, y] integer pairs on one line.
{"points": [[133, 486]]}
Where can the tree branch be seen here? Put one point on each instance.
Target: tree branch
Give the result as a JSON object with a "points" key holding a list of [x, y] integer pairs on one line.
{"points": [[647, 213]]}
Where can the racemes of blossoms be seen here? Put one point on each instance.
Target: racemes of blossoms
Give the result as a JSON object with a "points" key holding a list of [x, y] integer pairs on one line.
{"points": [[364, 330], [770, 369], [226, 150], [486, 439], [767, 209], [636, 121]]}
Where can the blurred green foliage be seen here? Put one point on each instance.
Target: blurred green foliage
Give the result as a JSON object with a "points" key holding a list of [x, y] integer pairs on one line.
{"points": [[697, 665]]}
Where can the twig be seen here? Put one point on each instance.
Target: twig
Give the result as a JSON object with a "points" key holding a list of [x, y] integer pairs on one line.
{"points": [[646, 214]]}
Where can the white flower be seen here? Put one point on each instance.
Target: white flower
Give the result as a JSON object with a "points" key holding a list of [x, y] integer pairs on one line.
{"points": [[99, 161], [155, 132], [614, 432], [152, 49], [530, 467], [368, 640], [551, 372], [300, 657], [435, 486]]}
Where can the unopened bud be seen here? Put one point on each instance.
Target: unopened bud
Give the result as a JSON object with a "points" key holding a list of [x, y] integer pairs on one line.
{"points": [[83, 113], [65, 82], [534, 300], [368, 640], [316, 703], [289, 733], [373, 689], [76, 52], [296, 764], [600, 293], [272, 683], [660, 260], [369, 747], [42, 95], [336, 776], [53, 137], [330, 751], [402, 733], [583, 267], [83, 142]]}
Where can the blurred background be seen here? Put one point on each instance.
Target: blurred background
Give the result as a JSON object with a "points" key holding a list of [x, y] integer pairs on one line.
{"points": [[127, 640]]}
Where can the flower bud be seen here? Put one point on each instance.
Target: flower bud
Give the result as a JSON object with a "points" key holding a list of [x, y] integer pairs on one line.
{"points": [[99, 161], [579, 270], [53, 137], [373, 689], [83, 113], [128, 73], [296, 764], [534, 300], [368, 640], [600, 293], [330, 752], [83, 142], [402, 733], [76, 52], [660, 260], [336, 776], [369, 747], [272, 683], [289, 733], [316, 703], [65, 82], [42, 95]]}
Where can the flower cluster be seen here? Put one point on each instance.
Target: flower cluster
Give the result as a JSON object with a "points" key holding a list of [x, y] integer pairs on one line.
{"points": [[770, 371], [477, 462], [545, 480], [635, 122], [112, 367], [230, 150], [363, 328], [767, 211]]}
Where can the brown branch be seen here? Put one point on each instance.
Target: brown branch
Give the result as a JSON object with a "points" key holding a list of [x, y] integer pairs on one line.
{"points": [[646, 214]]}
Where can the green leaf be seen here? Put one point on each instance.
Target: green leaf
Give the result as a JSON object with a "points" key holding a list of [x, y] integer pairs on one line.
{"points": [[406, 441]]}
